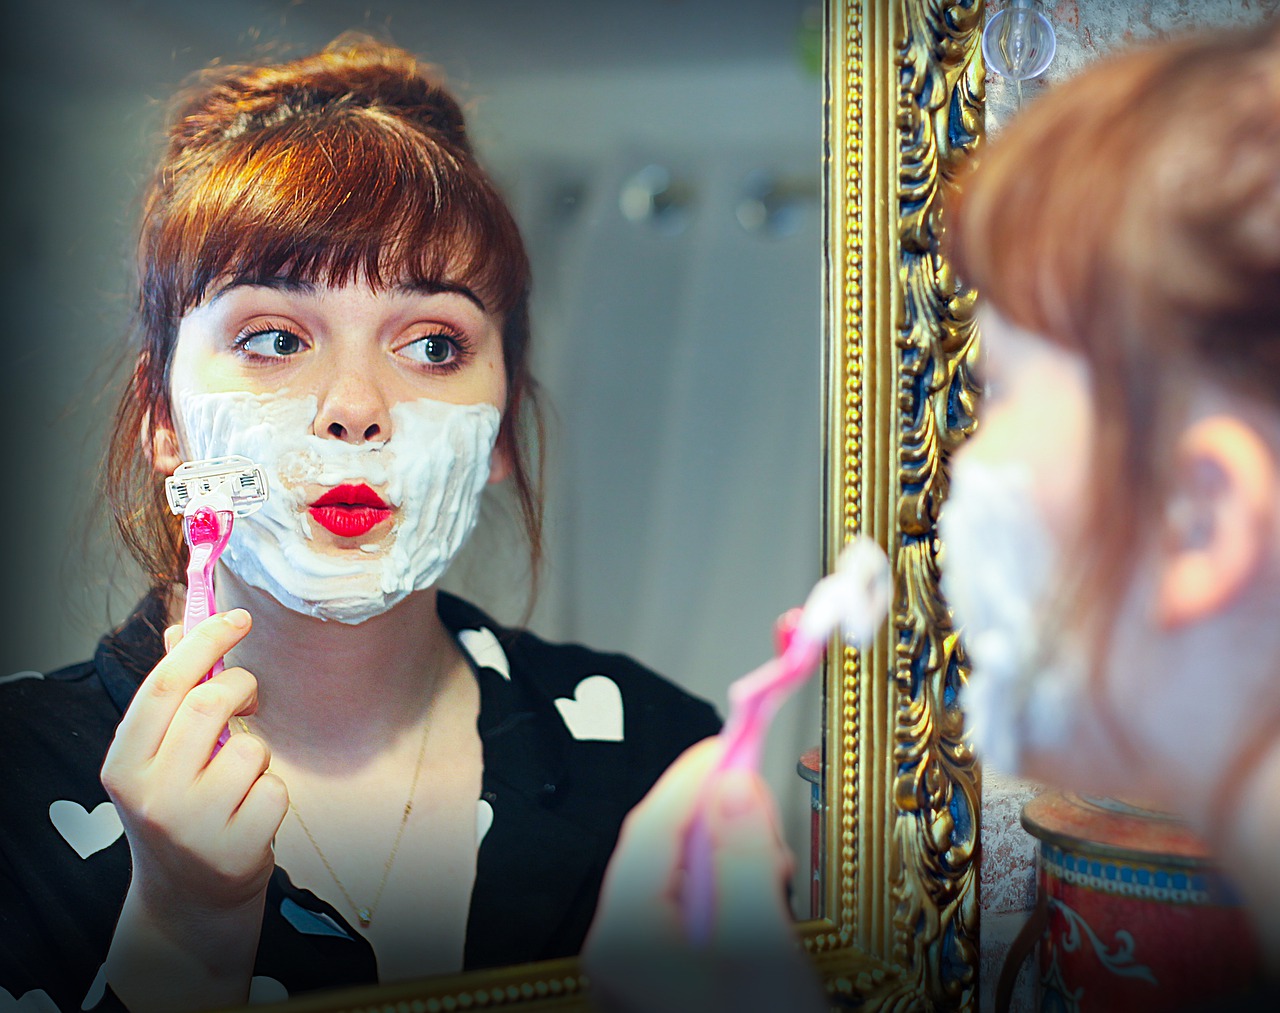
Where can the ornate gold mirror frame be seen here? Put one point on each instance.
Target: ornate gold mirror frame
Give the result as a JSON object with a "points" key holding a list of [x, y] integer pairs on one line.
{"points": [[904, 90], [905, 94]]}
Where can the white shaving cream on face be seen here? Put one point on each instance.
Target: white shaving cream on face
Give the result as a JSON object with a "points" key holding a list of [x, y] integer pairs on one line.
{"points": [[1000, 572], [431, 471]]}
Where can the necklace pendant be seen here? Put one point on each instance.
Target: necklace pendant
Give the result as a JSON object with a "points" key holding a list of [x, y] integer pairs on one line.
{"points": [[365, 916]]}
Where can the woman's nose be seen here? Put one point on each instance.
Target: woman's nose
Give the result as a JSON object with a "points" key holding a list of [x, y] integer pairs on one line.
{"points": [[353, 410]]}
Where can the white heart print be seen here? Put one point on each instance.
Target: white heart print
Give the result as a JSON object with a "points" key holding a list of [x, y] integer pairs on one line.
{"points": [[87, 832], [485, 650], [261, 991], [19, 676], [264, 991], [35, 1001], [97, 990], [484, 820], [594, 712]]}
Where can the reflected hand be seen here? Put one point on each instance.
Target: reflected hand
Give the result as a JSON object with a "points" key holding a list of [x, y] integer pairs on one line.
{"points": [[638, 955]]}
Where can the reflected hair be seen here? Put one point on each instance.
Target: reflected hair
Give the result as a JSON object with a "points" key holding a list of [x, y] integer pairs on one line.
{"points": [[352, 164], [1132, 214]]}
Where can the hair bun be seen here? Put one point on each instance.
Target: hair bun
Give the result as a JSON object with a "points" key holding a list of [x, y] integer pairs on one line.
{"points": [[354, 71]]}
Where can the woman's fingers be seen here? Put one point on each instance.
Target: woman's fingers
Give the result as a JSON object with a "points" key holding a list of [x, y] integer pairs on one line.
{"points": [[674, 799], [200, 721], [199, 825], [741, 808], [751, 865], [637, 955], [263, 809], [147, 720], [226, 781], [645, 866]]}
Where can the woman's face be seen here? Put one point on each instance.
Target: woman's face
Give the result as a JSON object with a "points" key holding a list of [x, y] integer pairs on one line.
{"points": [[373, 415], [358, 351], [1187, 672], [1011, 527], [1036, 414]]}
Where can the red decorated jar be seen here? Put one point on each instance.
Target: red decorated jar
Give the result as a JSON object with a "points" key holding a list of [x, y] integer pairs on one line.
{"points": [[810, 768], [1135, 914]]}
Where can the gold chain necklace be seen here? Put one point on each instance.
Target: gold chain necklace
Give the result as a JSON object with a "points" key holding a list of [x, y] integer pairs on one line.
{"points": [[365, 914]]}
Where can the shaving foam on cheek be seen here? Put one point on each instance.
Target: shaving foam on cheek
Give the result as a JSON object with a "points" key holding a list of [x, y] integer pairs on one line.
{"points": [[1000, 570], [431, 471]]}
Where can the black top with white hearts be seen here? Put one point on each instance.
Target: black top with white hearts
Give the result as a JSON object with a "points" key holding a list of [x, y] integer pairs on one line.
{"points": [[572, 739]]}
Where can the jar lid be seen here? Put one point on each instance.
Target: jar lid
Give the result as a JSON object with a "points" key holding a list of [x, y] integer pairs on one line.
{"points": [[1112, 827], [810, 765]]}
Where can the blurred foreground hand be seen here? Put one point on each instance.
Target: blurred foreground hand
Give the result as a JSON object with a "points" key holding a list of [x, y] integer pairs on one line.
{"points": [[638, 956]]}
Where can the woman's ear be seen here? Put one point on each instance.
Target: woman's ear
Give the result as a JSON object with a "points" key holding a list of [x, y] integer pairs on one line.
{"points": [[165, 457], [1220, 521], [500, 458]]}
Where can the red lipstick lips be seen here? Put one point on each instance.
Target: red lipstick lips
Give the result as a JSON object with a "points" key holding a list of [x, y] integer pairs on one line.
{"points": [[350, 511]]}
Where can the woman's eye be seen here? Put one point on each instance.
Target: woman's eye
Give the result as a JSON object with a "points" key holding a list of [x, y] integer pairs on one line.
{"points": [[433, 350], [272, 344]]}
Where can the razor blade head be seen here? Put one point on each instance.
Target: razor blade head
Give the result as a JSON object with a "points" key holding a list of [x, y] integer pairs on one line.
{"points": [[234, 479]]}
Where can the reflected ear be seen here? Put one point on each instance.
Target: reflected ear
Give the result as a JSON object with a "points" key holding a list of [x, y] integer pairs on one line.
{"points": [[165, 457], [500, 458], [1219, 520]]}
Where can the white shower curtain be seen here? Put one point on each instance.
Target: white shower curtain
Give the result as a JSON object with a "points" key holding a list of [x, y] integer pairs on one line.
{"points": [[683, 367], [684, 480]]}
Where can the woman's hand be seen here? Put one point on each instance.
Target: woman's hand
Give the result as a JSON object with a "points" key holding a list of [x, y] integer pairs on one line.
{"points": [[199, 827], [638, 955]]}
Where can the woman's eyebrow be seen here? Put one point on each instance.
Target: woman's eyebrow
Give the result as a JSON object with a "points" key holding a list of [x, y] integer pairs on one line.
{"points": [[425, 287], [282, 284]]}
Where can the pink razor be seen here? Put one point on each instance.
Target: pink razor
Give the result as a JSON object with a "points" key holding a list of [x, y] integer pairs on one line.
{"points": [[210, 495], [854, 598]]}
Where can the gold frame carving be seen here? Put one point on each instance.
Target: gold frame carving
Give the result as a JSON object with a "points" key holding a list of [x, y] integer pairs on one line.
{"points": [[900, 927], [905, 93]]}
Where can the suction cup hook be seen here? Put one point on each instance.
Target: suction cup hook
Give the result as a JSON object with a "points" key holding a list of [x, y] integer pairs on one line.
{"points": [[1018, 42]]}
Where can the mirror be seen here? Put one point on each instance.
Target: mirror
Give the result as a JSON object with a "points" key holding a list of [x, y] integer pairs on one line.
{"points": [[894, 917]]}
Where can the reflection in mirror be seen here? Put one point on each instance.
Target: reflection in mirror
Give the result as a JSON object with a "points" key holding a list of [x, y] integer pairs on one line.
{"points": [[1088, 33], [663, 163], [675, 238]]}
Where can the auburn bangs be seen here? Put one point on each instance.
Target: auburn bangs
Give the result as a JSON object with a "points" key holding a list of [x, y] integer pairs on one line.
{"points": [[331, 198]]}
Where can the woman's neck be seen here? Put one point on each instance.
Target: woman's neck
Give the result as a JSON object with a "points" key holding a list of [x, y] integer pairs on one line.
{"points": [[330, 693]]}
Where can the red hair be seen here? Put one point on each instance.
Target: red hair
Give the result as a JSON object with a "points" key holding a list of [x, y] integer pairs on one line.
{"points": [[350, 163]]}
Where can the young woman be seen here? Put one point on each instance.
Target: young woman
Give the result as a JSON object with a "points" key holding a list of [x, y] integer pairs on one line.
{"points": [[330, 285], [1112, 533]]}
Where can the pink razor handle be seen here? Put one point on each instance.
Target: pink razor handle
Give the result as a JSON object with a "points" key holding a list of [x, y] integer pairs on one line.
{"points": [[755, 698], [207, 532]]}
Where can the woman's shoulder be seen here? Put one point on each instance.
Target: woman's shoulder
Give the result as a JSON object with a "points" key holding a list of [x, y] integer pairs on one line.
{"points": [[56, 726], [74, 704], [66, 705], [62, 853], [55, 729]]}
